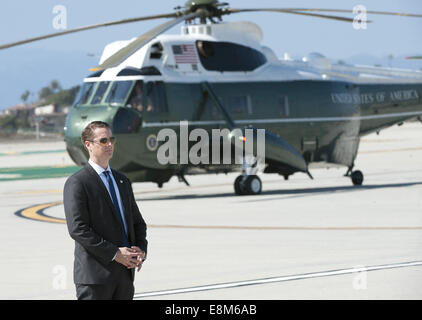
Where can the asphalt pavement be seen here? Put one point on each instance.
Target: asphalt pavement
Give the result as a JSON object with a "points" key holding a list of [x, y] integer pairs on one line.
{"points": [[299, 239]]}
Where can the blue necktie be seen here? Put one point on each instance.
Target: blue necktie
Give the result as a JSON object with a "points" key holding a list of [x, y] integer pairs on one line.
{"points": [[116, 206]]}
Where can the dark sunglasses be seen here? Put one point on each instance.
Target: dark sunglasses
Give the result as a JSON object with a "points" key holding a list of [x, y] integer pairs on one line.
{"points": [[104, 141]]}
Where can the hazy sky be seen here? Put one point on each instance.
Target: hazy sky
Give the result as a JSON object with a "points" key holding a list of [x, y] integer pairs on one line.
{"points": [[298, 35]]}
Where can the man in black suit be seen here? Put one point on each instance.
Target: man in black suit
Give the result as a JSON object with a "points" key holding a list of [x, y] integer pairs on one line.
{"points": [[104, 220]]}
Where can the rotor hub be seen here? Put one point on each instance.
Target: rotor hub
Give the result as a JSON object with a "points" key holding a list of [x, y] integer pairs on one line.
{"points": [[193, 5], [205, 8]]}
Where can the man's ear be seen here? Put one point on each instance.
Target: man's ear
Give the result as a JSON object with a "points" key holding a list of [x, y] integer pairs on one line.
{"points": [[86, 144]]}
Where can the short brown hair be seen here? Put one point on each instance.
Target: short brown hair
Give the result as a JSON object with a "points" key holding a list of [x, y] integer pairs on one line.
{"points": [[88, 132]]}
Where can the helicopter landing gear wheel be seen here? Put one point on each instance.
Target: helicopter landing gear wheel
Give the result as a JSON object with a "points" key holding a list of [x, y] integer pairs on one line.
{"points": [[248, 185], [239, 189], [253, 185], [357, 177]]}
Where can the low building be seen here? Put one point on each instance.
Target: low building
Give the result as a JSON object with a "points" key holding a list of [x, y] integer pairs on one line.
{"points": [[15, 110]]}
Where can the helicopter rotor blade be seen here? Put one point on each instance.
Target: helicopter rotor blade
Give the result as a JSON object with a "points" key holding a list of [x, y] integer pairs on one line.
{"points": [[291, 11], [132, 47], [107, 24], [414, 15], [297, 11]]}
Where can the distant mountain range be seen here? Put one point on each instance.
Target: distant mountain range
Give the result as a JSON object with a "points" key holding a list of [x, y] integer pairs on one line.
{"points": [[33, 69]]}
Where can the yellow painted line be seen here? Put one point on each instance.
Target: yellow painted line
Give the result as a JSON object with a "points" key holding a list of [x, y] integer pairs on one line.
{"points": [[380, 140], [36, 213], [37, 191], [391, 150]]}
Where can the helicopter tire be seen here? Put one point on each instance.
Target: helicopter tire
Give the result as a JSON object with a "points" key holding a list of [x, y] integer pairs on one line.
{"points": [[250, 186], [239, 188], [357, 177], [253, 185]]}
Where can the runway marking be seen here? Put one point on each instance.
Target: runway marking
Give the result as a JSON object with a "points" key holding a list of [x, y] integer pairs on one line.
{"points": [[37, 191], [390, 150], [28, 173], [37, 213], [303, 276], [20, 153], [284, 227]]}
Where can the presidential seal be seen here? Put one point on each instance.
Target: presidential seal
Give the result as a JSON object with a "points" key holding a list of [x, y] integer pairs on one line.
{"points": [[151, 142]]}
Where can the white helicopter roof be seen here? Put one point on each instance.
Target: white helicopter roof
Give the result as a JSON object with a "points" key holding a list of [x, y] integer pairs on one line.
{"points": [[244, 32], [313, 67]]}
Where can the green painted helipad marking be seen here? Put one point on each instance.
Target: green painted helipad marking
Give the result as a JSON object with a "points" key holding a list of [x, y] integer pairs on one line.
{"points": [[10, 174], [15, 153]]}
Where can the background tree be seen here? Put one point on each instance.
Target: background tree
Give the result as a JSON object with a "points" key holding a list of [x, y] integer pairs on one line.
{"points": [[25, 96], [55, 86], [44, 93]]}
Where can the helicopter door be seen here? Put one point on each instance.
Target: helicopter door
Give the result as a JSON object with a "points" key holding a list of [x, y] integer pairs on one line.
{"points": [[309, 147], [128, 119], [136, 98], [148, 100], [155, 101]]}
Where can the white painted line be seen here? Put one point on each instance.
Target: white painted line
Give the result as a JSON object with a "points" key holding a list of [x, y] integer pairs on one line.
{"points": [[277, 279]]}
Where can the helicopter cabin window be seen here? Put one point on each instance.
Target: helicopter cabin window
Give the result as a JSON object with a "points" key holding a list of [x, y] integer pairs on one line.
{"points": [[239, 105], [136, 99], [283, 106], [101, 89], [227, 56], [156, 51], [84, 93], [118, 92], [156, 101]]}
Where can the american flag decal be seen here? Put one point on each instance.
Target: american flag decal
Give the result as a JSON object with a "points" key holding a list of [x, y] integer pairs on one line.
{"points": [[185, 53]]}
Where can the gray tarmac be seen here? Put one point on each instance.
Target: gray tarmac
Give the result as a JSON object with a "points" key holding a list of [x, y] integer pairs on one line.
{"points": [[299, 239]]}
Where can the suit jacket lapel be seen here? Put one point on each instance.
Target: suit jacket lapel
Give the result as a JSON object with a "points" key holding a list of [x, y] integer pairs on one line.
{"points": [[103, 188]]}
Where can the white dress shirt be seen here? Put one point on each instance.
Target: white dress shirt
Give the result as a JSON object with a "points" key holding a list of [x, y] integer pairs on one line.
{"points": [[100, 171]]}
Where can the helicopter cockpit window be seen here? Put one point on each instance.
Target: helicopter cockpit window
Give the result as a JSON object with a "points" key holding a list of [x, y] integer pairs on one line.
{"points": [[102, 88], [85, 93], [119, 91], [156, 97], [136, 99], [156, 51], [228, 56]]}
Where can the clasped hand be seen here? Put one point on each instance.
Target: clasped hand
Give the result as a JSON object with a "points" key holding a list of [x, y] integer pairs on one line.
{"points": [[130, 257]]}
